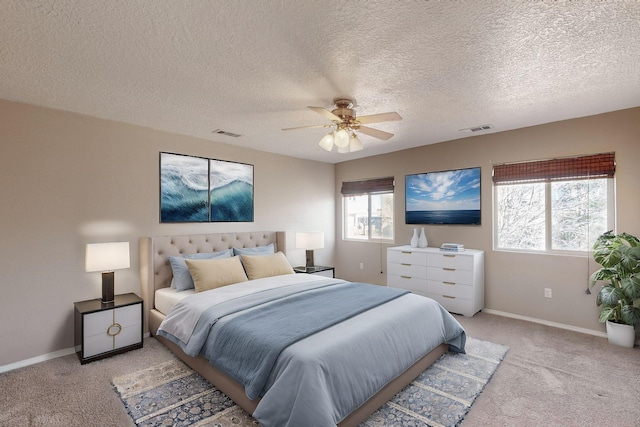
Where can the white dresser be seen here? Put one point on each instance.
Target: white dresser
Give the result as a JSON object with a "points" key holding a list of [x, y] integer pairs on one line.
{"points": [[454, 279]]}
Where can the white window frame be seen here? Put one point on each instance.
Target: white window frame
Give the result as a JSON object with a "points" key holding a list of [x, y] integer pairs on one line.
{"points": [[367, 237], [611, 222]]}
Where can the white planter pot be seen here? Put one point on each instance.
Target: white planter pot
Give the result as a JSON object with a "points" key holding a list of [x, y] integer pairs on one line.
{"points": [[622, 335]]}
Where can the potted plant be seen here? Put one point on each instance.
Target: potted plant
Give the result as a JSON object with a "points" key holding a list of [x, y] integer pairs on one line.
{"points": [[619, 256]]}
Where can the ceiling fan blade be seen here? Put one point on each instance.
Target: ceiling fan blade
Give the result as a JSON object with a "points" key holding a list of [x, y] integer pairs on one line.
{"points": [[377, 118], [311, 127], [325, 113], [380, 134]]}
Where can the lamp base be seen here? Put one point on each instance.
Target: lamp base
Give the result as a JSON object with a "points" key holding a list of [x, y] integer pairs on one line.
{"points": [[107, 287], [310, 258]]}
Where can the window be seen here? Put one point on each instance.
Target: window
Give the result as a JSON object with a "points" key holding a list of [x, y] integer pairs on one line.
{"points": [[554, 205], [368, 209]]}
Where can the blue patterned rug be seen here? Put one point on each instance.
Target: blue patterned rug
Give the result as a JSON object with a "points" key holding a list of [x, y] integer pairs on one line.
{"points": [[172, 394]]}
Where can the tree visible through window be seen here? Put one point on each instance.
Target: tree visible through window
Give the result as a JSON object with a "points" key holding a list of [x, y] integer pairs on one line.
{"points": [[554, 205], [521, 216], [579, 213]]}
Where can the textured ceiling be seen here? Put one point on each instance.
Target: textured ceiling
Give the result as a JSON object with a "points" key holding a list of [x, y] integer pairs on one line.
{"points": [[251, 67]]}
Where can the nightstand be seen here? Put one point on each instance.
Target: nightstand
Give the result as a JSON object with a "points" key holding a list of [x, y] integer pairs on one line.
{"points": [[105, 329], [321, 270]]}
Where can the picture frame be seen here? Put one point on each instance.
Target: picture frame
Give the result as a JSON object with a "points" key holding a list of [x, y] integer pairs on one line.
{"points": [[199, 189], [450, 197]]}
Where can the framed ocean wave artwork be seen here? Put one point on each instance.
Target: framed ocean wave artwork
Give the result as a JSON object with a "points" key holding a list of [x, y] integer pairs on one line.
{"points": [[198, 189]]}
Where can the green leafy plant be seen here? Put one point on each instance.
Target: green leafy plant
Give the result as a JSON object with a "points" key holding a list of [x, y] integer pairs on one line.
{"points": [[619, 256]]}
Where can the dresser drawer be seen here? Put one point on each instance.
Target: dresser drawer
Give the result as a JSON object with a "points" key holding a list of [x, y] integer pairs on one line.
{"points": [[415, 285], [408, 270], [454, 279], [406, 256], [448, 260], [454, 304], [451, 275], [112, 329], [457, 290]]}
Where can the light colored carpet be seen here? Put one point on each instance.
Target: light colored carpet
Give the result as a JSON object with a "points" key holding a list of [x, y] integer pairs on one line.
{"points": [[555, 377], [173, 394], [549, 377]]}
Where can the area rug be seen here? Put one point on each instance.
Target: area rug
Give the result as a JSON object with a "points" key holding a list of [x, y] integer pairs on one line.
{"points": [[172, 394]]}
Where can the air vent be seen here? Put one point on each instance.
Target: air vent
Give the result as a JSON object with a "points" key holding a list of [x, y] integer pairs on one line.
{"points": [[225, 133], [475, 129]]}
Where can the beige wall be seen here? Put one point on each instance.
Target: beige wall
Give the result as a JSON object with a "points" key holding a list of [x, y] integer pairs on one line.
{"points": [[514, 283], [68, 180]]}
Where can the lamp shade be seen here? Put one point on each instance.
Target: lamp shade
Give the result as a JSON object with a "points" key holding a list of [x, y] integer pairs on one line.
{"points": [[341, 138], [310, 240], [355, 144], [327, 141], [107, 256]]}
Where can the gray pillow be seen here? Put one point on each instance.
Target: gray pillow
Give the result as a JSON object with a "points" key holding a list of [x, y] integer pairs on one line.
{"points": [[182, 279], [258, 250]]}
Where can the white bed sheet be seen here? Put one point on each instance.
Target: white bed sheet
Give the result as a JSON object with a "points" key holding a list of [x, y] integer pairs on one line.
{"points": [[166, 298], [188, 312]]}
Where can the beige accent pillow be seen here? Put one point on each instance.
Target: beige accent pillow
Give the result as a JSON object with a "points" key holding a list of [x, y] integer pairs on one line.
{"points": [[213, 273], [259, 266]]}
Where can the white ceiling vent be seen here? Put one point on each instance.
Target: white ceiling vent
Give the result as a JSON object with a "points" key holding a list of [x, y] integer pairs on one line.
{"points": [[475, 129], [225, 133]]}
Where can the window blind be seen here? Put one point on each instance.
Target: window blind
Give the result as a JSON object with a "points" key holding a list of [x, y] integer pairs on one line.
{"points": [[375, 185], [562, 169]]}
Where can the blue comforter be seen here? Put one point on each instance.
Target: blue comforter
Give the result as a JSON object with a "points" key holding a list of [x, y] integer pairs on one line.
{"points": [[247, 346], [318, 380]]}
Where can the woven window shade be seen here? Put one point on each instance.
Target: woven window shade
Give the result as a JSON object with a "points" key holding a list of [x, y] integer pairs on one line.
{"points": [[376, 185], [564, 169]]}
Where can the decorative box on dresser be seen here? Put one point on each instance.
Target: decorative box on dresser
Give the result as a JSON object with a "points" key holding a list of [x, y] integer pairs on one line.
{"points": [[454, 279]]}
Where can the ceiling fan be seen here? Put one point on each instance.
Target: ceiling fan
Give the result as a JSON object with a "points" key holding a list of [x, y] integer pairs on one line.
{"points": [[343, 117]]}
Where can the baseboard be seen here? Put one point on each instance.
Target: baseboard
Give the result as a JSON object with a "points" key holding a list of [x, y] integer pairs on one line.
{"points": [[554, 324], [546, 322], [37, 359], [44, 357]]}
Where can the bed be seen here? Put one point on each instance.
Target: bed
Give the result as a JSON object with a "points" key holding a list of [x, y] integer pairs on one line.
{"points": [[309, 377]]}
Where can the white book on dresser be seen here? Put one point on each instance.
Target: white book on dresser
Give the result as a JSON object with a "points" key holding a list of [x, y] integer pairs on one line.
{"points": [[453, 278]]}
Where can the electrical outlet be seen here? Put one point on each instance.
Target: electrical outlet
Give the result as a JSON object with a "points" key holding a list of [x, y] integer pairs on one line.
{"points": [[362, 266], [547, 292]]}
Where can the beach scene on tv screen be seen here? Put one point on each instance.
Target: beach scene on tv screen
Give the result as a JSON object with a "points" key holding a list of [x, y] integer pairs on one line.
{"points": [[444, 197]]}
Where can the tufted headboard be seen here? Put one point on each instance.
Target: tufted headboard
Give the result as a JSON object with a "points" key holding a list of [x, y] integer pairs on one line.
{"points": [[155, 271]]}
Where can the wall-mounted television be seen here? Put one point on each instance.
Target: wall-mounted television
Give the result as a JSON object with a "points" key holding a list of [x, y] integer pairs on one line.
{"points": [[443, 197]]}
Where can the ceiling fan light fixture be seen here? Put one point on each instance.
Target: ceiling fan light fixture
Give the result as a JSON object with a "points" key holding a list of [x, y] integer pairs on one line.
{"points": [[344, 149], [327, 141], [341, 138], [354, 143], [343, 117]]}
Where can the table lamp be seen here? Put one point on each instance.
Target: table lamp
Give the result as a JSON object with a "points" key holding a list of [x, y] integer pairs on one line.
{"points": [[310, 241], [106, 257]]}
